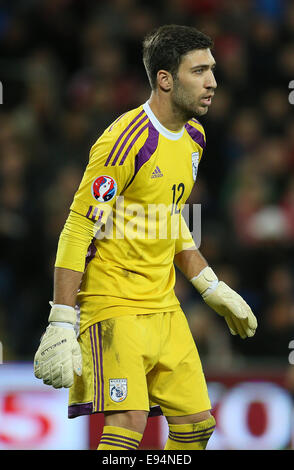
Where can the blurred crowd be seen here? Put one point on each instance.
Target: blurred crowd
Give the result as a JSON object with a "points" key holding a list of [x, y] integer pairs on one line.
{"points": [[68, 69]]}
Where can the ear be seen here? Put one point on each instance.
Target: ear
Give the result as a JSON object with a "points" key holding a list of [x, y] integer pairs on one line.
{"points": [[164, 80]]}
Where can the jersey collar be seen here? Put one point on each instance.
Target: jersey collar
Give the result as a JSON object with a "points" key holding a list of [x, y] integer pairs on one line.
{"points": [[159, 127]]}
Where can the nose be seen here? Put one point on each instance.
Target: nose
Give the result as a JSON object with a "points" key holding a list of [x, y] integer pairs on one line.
{"points": [[210, 81]]}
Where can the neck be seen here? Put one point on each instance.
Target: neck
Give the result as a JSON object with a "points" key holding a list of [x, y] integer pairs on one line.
{"points": [[165, 113]]}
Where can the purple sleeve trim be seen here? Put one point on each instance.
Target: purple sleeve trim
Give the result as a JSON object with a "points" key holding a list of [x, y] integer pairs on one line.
{"points": [[89, 211]]}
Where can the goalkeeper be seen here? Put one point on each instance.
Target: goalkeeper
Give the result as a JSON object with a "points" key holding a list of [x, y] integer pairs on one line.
{"points": [[117, 336]]}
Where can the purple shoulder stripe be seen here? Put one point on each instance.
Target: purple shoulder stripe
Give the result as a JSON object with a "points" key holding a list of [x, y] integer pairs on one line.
{"points": [[126, 140], [196, 135], [121, 136], [133, 142], [148, 149]]}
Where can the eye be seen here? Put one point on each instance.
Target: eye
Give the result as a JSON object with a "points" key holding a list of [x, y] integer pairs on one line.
{"points": [[199, 71]]}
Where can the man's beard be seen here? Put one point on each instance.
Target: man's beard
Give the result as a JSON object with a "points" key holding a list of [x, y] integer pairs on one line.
{"points": [[183, 104]]}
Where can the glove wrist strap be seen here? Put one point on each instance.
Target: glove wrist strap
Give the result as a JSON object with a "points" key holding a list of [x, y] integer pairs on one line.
{"points": [[62, 324], [206, 281], [62, 313]]}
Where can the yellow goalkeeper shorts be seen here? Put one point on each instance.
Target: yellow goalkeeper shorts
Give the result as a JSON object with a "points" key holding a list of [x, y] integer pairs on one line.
{"points": [[140, 362]]}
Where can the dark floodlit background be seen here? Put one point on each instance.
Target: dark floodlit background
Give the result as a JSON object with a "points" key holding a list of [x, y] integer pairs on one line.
{"points": [[68, 69]]}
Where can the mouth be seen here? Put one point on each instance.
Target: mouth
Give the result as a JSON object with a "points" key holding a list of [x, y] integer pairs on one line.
{"points": [[206, 100]]}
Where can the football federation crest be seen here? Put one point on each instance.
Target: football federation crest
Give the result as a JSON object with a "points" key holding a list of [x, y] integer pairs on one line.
{"points": [[118, 389], [104, 188], [195, 161]]}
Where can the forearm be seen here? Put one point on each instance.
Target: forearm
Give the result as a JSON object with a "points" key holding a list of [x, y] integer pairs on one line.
{"points": [[66, 285], [185, 240], [190, 262], [74, 241], [73, 244]]}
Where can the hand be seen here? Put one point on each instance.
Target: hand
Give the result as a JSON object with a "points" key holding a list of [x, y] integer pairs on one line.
{"points": [[227, 303], [59, 356], [237, 313]]}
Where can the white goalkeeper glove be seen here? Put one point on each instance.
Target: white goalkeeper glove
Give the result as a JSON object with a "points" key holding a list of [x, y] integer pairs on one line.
{"points": [[226, 302], [59, 354]]}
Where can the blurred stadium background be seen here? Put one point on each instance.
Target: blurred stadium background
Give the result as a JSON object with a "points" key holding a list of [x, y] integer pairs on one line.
{"points": [[68, 68]]}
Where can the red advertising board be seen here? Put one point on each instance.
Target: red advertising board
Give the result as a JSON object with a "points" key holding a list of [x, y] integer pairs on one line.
{"points": [[253, 410]]}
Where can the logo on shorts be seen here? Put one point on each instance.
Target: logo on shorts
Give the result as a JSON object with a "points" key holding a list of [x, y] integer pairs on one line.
{"points": [[104, 188], [118, 389]]}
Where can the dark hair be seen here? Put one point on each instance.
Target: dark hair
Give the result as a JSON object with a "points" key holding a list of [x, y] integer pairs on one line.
{"points": [[165, 47]]}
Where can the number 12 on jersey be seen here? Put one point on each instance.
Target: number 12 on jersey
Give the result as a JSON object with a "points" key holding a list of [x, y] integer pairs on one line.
{"points": [[178, 192]]}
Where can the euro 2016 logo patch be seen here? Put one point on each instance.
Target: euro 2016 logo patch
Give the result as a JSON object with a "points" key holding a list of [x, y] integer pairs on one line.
{"points": [[118, 389], [104, 188], [195, 161]]}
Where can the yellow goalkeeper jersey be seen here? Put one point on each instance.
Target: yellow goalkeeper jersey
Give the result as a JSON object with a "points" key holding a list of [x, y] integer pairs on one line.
{"points": [[138, 177]]}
